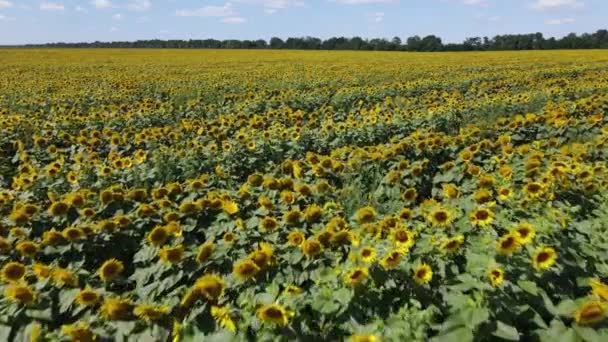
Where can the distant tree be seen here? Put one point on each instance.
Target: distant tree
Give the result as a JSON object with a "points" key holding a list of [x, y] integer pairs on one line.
{"points": [[276, 43]]}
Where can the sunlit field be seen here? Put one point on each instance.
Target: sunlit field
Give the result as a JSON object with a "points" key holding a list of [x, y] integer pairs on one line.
{"points": [[182, 195]]}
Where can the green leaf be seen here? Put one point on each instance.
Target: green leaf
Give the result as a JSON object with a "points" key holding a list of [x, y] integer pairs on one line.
{"points": [[566, 307], [528, 286], [587, 334], [462, 334], [506, 332]]}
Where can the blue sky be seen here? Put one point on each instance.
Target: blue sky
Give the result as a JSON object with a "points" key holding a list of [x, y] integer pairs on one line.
{"points": [[36, 21]]}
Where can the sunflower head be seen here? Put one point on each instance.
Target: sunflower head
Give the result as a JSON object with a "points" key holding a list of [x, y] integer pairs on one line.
{"points": [[544, 258], [365, 214], [12, 271], [87, 297], [274, 314], [172, 254], [116, 309], [204, 252], [110, 269], [78, 332], [508, 244], [525, 232], [423, 274], [391, 259], [440, 217], [20, 293], [210, 286], [356, 276], [590, 313], [158, 236], [311, 247], [496, 276], [245, 269], [151, 312]]}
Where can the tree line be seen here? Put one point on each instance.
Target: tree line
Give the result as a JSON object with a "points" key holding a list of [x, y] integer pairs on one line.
{"points": [[532, 41]]}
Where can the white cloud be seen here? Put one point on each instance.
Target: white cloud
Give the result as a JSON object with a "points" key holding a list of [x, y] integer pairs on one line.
{"points": [[80, 9], [208, 11], [556, 4], [5, 18], [482, 3], [142, 19], [139, 5], [376, 17], [52, 6], [5, 4], [365, 2], [113, 29], [101, 4], [270, 10], [234, 20], [118, 16], [560, 21]]}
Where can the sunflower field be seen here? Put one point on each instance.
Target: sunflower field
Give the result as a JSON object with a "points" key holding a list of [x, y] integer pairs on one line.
{"points": [[190, 195]]}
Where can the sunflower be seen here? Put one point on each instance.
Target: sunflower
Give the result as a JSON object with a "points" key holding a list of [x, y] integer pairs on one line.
{"points": [[110, 269], [391, 259], [172, 254], [406, 214], [363, 338], [508, 244], [525, 232], [482, 196], [273, 313], [544, 258], [263, 255], [58, 208], [367, 254], [158, 236], [12, 271], [41, 271], [423, 274], [504, 193], [64, 277], [151, 312], [452, 244], [496, 276], [356, 276], [402, 238], [365, 214], [481, 217], [450, 191], [295, 238], [599, 289], [245, 269], [87, 297], [292, 216], [268, 224], [116, 309], [204, 252], [27, 248], [210, 286], [73, 233], [20, 293], [87, 212], [533, 189], [292, 290], [222, 316], [80, 332], [409, 195], [590, 312], [439, 217], [230, 207], [311, 247]]}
